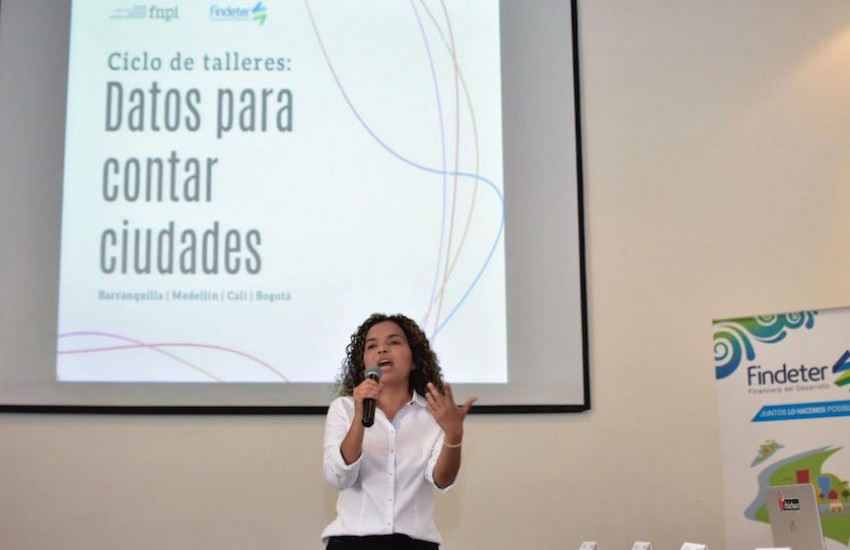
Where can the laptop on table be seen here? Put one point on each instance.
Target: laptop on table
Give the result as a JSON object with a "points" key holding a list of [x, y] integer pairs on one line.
{"points": [[794, 517]]}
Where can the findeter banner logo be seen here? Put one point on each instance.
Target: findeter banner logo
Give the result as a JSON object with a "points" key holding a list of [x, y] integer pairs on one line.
{"points": [[842, 369], [239, 13]]}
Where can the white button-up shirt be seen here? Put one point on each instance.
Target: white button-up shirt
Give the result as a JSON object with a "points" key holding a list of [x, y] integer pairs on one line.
{"points": [[390, 488]]}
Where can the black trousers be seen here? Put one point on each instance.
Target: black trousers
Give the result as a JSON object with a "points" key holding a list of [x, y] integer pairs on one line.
{"points": [[380, 542]]}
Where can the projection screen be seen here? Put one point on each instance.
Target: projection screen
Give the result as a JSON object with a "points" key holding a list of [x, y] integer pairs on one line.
{"points": [[202, 201]]}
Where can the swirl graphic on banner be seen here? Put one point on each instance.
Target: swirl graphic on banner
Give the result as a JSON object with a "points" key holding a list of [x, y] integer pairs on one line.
{"points": [[733, 338]]}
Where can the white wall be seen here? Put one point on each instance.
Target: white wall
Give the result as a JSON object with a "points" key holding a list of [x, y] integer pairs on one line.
{"points": [[717, 184]]}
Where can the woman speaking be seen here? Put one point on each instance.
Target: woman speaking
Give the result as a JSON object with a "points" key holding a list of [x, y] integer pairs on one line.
{"points": [[386, 472]]}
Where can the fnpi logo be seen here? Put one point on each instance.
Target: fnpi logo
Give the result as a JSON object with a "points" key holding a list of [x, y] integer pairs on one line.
{"points": [[842, 368], [146, 11]]}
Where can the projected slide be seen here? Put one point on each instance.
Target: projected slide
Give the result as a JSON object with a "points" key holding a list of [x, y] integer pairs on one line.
{"points": [[245, 182]]}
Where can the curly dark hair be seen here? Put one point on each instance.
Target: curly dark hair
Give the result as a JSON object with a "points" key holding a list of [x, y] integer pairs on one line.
{"points": [[424, 359]]}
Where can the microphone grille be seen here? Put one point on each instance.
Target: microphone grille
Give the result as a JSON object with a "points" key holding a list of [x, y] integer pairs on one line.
{"points": [[373, 372]]}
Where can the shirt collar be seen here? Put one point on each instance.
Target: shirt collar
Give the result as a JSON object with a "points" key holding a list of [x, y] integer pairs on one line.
{"points": [[418, 400]]}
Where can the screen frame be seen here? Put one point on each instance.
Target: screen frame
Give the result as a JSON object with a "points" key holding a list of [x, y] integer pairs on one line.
{"points": [[309, 410]]}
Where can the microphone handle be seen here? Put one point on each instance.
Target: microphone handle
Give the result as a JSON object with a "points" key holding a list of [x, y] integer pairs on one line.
{"points": [[368, 412]]}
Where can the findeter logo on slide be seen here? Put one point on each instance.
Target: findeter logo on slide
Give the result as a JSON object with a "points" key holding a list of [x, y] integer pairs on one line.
{"points": [[239, 13]]}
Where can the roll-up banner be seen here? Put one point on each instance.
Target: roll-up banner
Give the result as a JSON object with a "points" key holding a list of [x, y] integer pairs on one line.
{"points": [[783, 391]]}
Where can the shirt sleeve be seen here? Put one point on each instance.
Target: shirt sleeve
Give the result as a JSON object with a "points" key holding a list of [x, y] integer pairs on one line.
{"points": [[432, 462], [338, 421]]}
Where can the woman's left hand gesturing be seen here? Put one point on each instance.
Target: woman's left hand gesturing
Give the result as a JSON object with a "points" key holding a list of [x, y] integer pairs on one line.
{"points": [[448, 414]]}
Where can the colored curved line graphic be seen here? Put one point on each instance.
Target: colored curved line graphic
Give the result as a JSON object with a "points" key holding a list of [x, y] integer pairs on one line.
{"points": [[158, 348], [446, 234]]}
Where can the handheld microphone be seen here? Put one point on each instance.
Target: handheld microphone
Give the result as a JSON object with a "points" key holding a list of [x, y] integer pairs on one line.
{"points": [[373, 372]]}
